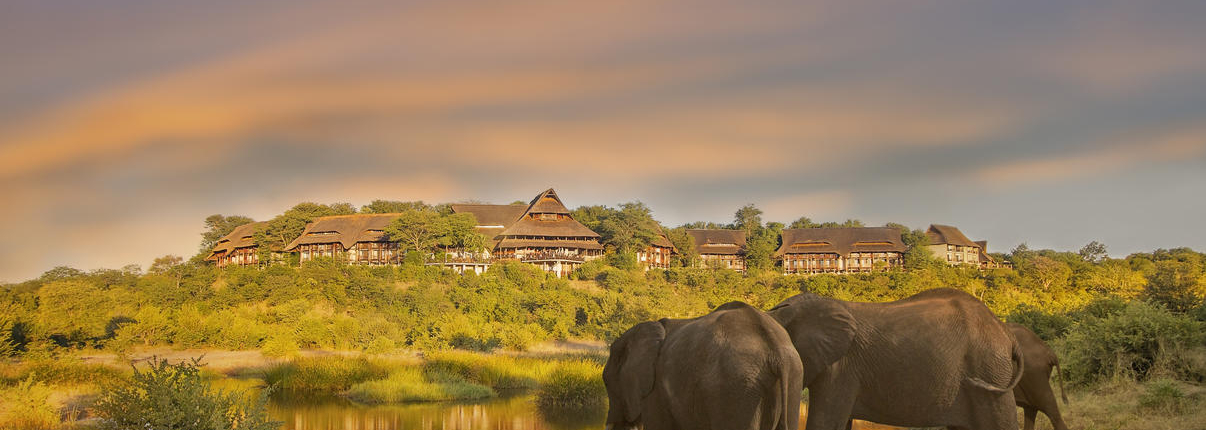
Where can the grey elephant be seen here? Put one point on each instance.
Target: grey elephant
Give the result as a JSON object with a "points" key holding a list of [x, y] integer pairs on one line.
{"points": [[1034, 392], [734, 368], [938, 358]]}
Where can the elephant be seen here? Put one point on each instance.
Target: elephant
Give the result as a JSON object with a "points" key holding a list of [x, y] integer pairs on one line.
{"points": [[732, 369], [937, 358], [1034, 393]]}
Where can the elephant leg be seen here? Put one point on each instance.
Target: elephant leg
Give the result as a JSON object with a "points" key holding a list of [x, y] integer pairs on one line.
{"points": [[829, 409], [1046, 402], [1031, 413]]}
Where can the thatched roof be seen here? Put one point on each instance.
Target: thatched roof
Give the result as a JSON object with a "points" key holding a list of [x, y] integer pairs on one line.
{"points": [[841, 241], [715, 241], [946, 235], [514, 226], [983, 244], [662, 241], [241, 237], [547, 203], [531, 223], [489, 216], [346, 230]]}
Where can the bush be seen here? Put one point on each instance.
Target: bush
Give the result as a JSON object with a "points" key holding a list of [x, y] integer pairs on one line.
{"points": [[280, 345], [572, 384], [1139, 341], [27, 407], [174, 396], [1048, 326]]}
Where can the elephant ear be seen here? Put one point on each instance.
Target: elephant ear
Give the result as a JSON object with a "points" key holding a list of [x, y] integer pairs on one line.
{"points": [[821, 329], [631, 365]]}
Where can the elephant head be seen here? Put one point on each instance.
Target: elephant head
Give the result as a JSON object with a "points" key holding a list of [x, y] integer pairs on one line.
{"points": [[821, 329], [629, 372]]}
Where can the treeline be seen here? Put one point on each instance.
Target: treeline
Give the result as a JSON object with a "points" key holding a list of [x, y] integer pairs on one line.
{"points": [[326, 304]]}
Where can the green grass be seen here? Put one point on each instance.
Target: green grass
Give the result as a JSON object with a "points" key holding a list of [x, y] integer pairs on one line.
{"points": [[60, 372], [412, 384], [571, 384], [326, 374]]}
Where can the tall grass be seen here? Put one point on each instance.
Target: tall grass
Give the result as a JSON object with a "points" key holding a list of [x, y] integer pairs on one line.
{"points": [[412, 384], [27, 406], [572, 384], [498, 371], [326, 374], [60, 372]]}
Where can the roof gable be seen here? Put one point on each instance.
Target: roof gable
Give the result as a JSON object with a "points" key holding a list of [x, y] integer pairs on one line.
{"points": [[718, 241], [241, 237], [546, 216], [944, 234], [346, 230]]}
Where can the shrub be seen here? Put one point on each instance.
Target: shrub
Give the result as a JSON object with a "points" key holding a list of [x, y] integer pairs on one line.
{"points": [[1140, 340], [1048, 326], [174, 396], [280, 345], [28, 407], [380, 345], [571, 384]]}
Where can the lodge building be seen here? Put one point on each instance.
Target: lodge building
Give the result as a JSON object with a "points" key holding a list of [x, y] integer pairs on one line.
{"points": [[840, 250], [950, 245], [657, 255], [720, 248], [356, 239], [543, 233], [238, 247]]}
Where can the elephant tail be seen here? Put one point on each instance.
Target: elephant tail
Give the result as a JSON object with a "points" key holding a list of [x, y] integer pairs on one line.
{"points": [[1059, 372], [790, 419], [1018, 365]]}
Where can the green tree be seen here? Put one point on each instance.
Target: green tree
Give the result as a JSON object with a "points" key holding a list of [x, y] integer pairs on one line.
{"points": [[415, 230], [1093, 252], [392, 206], [685, 244], [748, 218], [592, 216], [629, 229], [217, 226], [289, 225], [457, 231], [803, 222], [75, 311], [761, 246], [1179, 285]]}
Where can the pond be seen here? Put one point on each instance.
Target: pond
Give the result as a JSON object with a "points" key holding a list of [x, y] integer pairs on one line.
{"points": [[513, 410]]}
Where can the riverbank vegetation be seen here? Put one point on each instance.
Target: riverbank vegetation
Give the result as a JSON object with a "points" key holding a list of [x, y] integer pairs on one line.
{"points": [[416, 332]]}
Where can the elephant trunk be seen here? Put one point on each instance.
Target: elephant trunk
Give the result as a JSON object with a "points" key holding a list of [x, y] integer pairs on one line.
{"points": [[1019, 364]]}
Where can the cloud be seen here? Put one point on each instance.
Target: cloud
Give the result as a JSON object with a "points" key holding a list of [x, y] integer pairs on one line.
{"points": [[817, 205], [1164, 147]]}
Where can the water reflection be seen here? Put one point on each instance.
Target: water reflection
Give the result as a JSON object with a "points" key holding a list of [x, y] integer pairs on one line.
{"points": [[510, 411]]}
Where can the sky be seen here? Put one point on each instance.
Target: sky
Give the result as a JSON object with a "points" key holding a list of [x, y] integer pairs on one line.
{"points": [[124, 123]]}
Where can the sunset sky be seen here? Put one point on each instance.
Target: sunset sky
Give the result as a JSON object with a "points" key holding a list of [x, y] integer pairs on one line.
{"points": [[123, 124]]}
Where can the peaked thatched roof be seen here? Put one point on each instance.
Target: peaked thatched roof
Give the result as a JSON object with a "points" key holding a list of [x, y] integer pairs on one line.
{"points": [[841, 241], [947, 235], [984, 257], [547, 203], [662, 241], [531, 223], [716, 241], [241, 237], [346, 230]]}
